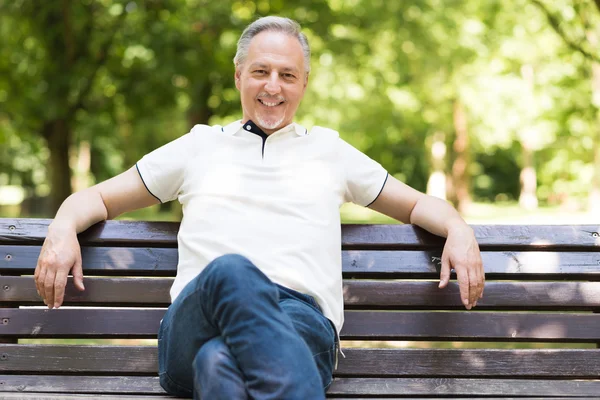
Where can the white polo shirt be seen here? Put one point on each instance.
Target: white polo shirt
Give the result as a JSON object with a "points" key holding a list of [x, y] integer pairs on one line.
{"points": [[273, 199]]}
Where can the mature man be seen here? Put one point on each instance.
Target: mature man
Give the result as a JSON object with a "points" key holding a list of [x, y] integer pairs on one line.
{"points": [[257, 302]]}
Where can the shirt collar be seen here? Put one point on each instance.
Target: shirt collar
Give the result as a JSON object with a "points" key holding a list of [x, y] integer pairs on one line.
{"points": [[235, 127]]}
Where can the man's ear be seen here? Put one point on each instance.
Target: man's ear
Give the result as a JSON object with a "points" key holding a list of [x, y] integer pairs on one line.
{"points": [[237, 77], [306, 81]]}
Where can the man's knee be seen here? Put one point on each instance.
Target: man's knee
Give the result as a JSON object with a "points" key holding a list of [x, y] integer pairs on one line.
{"points": [[213, 357]]}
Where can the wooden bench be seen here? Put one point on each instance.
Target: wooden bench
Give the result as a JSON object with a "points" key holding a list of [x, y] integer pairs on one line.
{"points": [[543, 286]]}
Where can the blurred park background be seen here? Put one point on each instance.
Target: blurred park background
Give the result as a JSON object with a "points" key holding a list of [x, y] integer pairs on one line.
{"points": [[491, 104]]}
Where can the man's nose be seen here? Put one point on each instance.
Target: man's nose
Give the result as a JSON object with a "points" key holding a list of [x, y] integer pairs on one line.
{"points": [[272, 86]]}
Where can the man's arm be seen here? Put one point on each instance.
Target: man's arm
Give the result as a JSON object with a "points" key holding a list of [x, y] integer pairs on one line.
{"points": [[61, 252], [461, 251]]}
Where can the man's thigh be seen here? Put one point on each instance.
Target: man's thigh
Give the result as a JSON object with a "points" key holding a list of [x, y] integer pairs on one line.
{"points": [[318, 333]]}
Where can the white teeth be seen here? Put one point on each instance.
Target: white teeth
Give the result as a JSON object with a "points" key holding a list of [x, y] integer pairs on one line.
{"points": [[269, 104]]}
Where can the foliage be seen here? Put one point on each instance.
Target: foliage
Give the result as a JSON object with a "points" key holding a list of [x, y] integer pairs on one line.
{"points": [[127, 76]]}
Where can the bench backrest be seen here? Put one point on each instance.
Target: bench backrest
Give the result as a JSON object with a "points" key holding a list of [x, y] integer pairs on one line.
{"points": [[543, 286]]}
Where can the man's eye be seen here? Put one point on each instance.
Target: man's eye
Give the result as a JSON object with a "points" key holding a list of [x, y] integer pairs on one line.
{"points": [[260, 71], [288, 76]]}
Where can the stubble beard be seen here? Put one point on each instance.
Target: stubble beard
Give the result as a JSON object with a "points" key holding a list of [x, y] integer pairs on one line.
{"points": [[270, 124]]}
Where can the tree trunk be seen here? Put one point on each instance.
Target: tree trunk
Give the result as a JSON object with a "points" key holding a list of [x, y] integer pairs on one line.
{"points": [[460, 173], [199, 111], [528, 196], [58, 136], [81, 162], [436, 185]]}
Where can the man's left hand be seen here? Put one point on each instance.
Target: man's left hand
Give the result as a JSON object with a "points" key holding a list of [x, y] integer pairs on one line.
{"points": [[461, 253]]}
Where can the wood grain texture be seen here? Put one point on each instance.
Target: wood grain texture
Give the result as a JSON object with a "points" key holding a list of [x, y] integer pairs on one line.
{"points": [[346, 387], [146, 261], [98, 260], [114, 292], [472, 326], [576, 296], [139, 385], [142, 360], [64, 396], [462, 387], [497, 264], [359, 325], [154, 292], [164, 234]]}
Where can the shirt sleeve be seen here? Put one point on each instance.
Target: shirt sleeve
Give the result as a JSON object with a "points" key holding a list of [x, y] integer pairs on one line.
{"points": [[162, 170], [365, 177]]}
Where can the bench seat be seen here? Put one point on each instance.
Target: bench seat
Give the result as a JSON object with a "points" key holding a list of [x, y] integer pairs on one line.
{"points": [[403, 337]]}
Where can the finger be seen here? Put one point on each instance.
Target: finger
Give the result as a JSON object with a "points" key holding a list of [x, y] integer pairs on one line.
{"points": [[473, 286], [41, 283], [462, 276], [60, 282], [482, 280], [78, 274], [477, 291], [36, 278], [49, 288], [444, 273]]}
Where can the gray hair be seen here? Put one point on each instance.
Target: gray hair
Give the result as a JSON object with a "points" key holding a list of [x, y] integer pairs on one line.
{"points": [[275, 24]]}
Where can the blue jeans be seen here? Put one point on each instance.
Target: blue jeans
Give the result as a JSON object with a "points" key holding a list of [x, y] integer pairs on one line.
{"points": [[234, 334]]}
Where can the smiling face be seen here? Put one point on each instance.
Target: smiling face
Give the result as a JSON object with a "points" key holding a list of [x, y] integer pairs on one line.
{"points": [[272, 80]]}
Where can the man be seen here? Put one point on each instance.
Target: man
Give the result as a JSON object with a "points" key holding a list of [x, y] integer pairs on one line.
{"points": [[257, 302]]}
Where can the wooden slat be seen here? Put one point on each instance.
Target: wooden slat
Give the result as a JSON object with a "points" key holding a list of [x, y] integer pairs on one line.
{"points": [[139, 385], [497, 264], [154, 234], [47, 396], [345, 387], [149, 292], [80, 323], [497, 295], [361, 325], [472, 326], [62, 396], [358, 264], [462, 387], [553, 363], [131, 292], [79, 359], [164, 234], [98, 260], [142, 360]]}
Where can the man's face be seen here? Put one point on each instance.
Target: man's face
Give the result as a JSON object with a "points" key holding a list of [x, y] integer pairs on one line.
{"points": [[272, 80]]}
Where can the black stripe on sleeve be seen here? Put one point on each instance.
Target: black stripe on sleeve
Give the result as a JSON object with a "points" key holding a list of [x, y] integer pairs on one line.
{"points": [[144, 182], [382, 186]]}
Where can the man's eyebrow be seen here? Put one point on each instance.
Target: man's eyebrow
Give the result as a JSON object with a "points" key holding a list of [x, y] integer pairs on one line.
{"points": [[265, 66], [258, 65], [290, 69]]}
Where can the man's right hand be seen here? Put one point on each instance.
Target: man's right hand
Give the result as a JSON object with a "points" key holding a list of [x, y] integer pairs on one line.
{"points": [[60, 254]]}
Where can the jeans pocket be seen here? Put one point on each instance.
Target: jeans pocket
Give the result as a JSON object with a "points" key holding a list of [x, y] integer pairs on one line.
{"points": [[325, 362]]}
